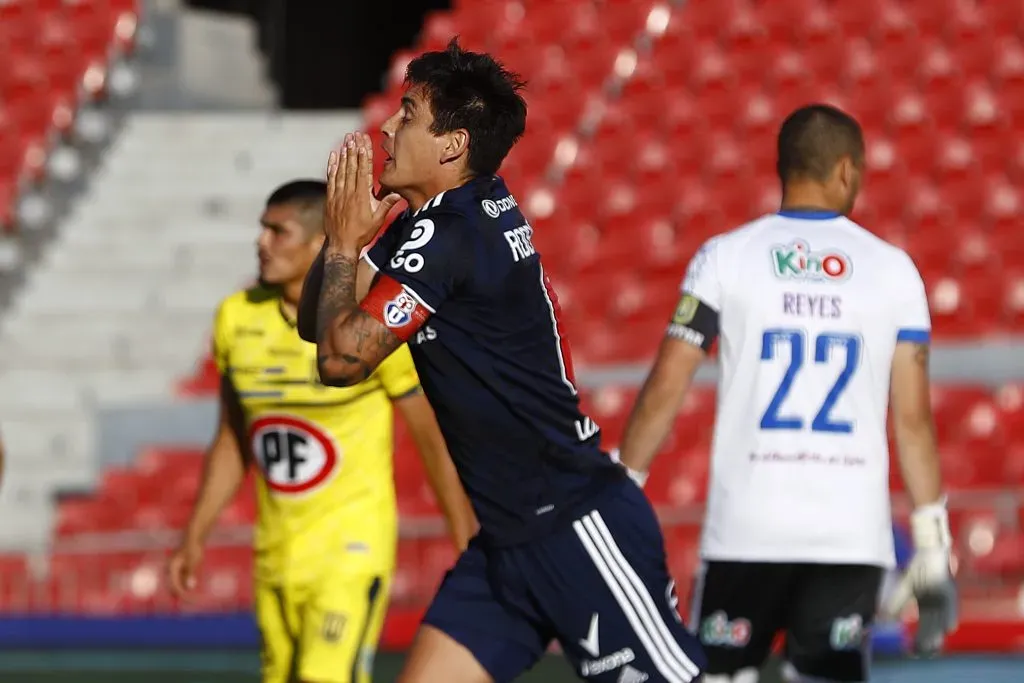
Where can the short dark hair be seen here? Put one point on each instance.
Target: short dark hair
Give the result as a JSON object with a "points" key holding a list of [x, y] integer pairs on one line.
{"points": [[473, 91], [308, 197], [813, 139]]}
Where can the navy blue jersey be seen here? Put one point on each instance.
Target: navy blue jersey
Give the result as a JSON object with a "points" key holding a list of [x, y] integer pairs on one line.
{"points": [[493, 359]]}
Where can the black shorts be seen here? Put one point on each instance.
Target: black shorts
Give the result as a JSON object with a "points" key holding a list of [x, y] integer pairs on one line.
{"points": [[824, 610]]}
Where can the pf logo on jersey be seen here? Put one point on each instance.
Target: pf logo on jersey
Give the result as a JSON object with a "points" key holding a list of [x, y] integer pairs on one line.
{"points": [[295, 455], [398, 312], [798, 261]]}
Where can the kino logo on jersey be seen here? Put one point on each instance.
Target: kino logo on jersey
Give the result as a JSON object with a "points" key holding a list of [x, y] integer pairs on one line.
{"points": [[797, 261]]}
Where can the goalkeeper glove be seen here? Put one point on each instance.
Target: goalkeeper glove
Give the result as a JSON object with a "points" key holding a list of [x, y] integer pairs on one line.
{"points": [[928, 579], [639, 477]]}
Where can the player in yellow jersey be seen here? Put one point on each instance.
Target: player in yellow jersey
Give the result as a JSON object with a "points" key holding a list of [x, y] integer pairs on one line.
{"points": [[327, 523]]}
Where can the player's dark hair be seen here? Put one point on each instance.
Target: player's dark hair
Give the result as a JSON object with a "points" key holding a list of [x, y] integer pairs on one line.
{"points": [[472, 91], [813, 139], [308, 197]]}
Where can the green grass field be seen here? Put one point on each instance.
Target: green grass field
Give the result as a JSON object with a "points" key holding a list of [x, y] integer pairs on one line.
{"points": [[242, 667]]}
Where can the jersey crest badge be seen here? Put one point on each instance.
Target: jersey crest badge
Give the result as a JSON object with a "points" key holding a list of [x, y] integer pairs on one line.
{"points": [[685, 311], [398, 312], [797, 261]]}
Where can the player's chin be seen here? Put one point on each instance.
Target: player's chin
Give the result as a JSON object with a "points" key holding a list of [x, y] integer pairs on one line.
{"points": [[268, 278], [387, 176]]}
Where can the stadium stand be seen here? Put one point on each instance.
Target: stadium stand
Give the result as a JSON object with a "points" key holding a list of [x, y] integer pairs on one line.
{"points": [[651, 127], [119, 305]]}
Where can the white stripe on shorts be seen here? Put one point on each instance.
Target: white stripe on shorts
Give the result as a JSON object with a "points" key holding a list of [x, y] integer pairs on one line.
{"points": [[634, 600]]}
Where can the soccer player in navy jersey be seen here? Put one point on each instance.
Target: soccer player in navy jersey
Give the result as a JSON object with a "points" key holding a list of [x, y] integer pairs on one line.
{"points": [[569, 548]]}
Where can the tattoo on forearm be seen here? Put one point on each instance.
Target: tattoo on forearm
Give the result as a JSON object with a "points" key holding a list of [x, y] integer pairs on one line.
{"points": [[351, 341], [337, 291], [921, 354]]}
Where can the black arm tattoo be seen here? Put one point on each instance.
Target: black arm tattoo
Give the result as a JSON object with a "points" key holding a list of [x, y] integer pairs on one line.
{"points": [[337, 291], [350, 343]]}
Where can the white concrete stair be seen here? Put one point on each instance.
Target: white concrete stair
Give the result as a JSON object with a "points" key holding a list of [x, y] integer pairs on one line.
{"points": [[119, 307]]}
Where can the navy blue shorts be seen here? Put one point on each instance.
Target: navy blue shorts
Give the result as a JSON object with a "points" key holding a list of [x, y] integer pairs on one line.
{"points": [[599, 586]]}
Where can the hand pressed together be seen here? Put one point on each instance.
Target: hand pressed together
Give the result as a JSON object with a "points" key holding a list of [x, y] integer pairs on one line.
{"points": [[352, 214]]}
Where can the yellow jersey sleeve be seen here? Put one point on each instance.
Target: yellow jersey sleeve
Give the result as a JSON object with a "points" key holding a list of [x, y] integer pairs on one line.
{"points": [[398, 374], [221, 342]]}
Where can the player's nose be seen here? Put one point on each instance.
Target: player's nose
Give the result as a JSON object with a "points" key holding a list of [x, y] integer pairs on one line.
{"points": [[262, 244], [390, 125]]}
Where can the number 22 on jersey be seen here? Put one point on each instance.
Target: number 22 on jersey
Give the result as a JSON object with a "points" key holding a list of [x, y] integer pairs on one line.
{"points": [[775, 342]]}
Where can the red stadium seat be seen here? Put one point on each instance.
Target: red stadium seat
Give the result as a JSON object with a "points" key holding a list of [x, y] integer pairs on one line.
{"points": [[1008, 77], [886, 170], [856, 18], [710, 17], [717, 85], [784, 19], [895, 34], [958, 177], [912, 128], [987, 126], [624, 21], [1013, 302], [1006, 18], [971, 37], [941, 81], [818, 34], [791, 80], [745, 40], [756, 128], [866, 84]]}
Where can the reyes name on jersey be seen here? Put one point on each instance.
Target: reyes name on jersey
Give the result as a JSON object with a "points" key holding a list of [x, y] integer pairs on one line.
{"points": [[493, 358], [810, 307]]}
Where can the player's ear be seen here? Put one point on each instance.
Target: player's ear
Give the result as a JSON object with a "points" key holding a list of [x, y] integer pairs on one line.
{"points": [[847, 172], [456, 145]]}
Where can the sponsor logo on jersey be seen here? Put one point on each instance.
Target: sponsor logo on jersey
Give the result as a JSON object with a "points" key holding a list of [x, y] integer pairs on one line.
{"points": [[334, 626], [398, 312], [631, 675], [596, 667], [585, 428], [716, 630], [294, 455], [847, 633], [799, 261], [244, 331], [496, 208]]}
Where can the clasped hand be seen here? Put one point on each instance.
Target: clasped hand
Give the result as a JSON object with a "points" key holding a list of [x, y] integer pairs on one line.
{"points": [[352, 214]]}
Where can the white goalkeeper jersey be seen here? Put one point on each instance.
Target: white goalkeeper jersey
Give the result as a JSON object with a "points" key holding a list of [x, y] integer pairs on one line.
{"points": [[810, 309]]}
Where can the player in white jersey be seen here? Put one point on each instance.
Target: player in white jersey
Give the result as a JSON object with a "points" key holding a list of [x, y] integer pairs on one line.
{"points": [[819, 323]]}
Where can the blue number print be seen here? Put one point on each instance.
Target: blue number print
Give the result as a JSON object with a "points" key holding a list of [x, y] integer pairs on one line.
{"points": [[824, 344], [769, 343]]}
